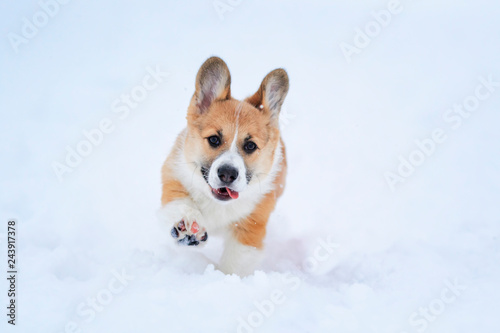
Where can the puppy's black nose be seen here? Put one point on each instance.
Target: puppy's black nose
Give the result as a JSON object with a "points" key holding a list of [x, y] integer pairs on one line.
{"points": [[227, 174]]}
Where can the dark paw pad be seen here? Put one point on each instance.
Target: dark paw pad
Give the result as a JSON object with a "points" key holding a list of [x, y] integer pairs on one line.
{"points": [[189, 234], [189, 240], [174, 232], [181, 226]]}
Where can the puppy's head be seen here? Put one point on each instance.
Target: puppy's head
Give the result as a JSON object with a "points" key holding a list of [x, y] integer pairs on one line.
{"points": [[231, 142]]}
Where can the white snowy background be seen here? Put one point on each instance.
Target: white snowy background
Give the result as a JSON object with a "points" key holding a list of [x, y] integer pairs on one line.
{"points": [[422, 257]]}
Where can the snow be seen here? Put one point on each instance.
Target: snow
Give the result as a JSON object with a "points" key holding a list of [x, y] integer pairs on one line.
{"points": [[344, 252]]}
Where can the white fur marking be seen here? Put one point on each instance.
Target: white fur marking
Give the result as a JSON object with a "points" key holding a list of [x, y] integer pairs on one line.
{"points": [[235, 138], [233, 158]]}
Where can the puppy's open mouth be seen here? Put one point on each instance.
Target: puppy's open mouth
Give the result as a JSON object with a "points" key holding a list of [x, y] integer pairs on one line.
{"points": [[224, 193]]}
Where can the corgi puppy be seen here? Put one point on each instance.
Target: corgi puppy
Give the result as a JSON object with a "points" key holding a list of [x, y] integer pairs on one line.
{"points": [[227, 167]]}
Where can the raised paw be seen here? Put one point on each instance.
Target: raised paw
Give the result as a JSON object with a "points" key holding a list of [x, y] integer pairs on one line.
{"points": [[189, 234]]}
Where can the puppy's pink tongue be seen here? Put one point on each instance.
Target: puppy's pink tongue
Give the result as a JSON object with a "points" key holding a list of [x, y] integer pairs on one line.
{"points": [[232, 194]]}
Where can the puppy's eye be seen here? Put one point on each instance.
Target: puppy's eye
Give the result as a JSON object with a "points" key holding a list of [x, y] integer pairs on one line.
{"points": [[214, 141], [249, 147]]}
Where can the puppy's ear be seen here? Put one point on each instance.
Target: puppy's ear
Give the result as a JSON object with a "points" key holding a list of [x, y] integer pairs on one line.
{"points": [[272, 93], [212, 83]]}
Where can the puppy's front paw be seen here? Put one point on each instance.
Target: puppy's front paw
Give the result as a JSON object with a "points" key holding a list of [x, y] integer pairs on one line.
{"points": [[189, 233]]}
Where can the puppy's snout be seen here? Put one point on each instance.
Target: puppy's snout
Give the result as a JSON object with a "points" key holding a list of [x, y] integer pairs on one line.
{"points": [[227, 174]]}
